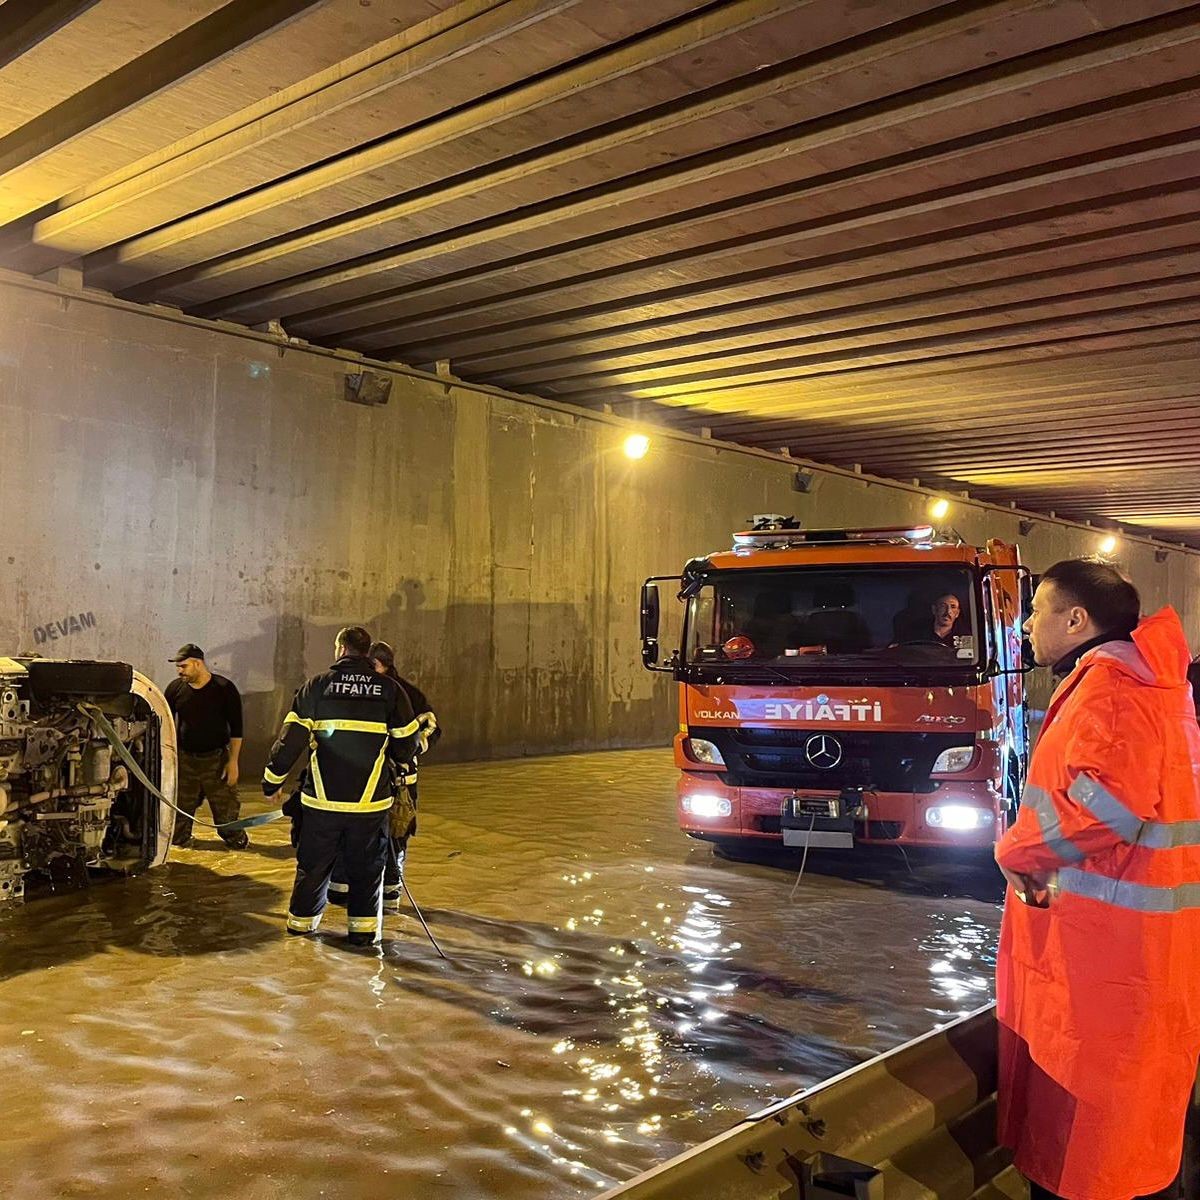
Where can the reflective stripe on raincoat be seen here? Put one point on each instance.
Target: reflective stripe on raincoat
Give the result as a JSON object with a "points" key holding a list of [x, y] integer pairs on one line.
{"points": [[1098, 995]]}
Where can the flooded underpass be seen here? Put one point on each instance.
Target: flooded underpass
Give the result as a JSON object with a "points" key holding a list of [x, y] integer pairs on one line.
{"points": [[615, 993]]}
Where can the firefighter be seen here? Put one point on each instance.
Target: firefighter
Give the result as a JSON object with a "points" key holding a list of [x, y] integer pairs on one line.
{"points": [[1098, 974], [404, 812], [359, 728]]}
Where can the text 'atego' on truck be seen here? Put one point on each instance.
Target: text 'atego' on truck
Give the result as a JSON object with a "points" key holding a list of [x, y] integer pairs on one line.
{"points": [[845, 686]]}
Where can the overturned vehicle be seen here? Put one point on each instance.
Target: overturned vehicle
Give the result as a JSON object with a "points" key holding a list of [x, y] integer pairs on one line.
{"points": [[74, 738]]}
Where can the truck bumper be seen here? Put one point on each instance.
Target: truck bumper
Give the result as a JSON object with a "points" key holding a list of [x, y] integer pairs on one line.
{"points": [[963, 814]]}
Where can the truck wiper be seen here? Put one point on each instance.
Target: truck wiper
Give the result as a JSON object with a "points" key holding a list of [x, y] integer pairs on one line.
{"points": [[770, 670]]}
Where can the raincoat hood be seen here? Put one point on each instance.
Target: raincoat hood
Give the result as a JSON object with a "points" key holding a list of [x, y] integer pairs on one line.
{"points": [[1158, 654]]}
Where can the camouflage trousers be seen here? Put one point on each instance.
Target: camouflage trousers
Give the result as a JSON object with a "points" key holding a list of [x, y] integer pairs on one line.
{"points": [[200, 779]]}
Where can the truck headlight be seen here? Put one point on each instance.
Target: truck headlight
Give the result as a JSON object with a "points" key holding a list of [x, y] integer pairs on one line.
{"points": [[957, 758], [705, 804], [957, 817], [705, 752]]}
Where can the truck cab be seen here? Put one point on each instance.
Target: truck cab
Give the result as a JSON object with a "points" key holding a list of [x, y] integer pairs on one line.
{"points": [[847, 686]]}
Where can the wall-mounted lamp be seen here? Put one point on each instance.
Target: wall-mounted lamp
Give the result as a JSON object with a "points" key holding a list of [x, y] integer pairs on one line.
{"points": [[636, 445], [1108, 545], [1160, 556], [803, 481], [1025, 528], [939, 509]]}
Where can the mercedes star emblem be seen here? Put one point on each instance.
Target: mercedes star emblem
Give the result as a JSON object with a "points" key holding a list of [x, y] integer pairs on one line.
{"points": [[823, 752]]}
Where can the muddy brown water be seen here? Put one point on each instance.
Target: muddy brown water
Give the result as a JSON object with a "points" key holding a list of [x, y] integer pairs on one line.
{"points": [[615, 994]]}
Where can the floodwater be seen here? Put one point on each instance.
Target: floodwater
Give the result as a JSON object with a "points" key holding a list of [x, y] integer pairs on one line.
{"points": [[614, 994]]}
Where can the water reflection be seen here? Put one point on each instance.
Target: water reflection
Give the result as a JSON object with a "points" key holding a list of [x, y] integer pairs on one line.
{"points": [[963, 960], [614, 994]]}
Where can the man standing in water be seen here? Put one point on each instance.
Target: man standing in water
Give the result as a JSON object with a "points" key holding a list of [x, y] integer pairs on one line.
{"points": [[404, 811], [208, 717], [359, 729], [1098, 974]]}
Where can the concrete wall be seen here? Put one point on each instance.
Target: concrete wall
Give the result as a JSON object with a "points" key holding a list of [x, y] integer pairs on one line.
{"points": [[169, 481]]}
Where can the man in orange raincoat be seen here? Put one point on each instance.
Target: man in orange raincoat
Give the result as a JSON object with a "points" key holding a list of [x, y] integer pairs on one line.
{"points": [[1098, 976]]}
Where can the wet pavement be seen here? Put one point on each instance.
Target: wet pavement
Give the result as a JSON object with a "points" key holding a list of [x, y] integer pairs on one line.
{"points": [[615, 994]]}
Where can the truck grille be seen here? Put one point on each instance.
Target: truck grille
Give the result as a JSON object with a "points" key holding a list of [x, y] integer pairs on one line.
{"points": [[780, 758]]}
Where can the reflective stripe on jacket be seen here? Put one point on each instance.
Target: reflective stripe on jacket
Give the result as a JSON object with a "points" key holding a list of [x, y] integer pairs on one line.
{"points": [[428, 729], [359, 729], [1098, 995]]}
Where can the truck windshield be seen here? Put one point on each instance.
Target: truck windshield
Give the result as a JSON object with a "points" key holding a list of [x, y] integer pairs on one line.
{"points": [[821, 618]]}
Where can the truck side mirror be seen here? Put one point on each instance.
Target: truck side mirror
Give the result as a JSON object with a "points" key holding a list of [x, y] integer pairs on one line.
{"points": [[650, 616], [999, 664], [649, 625]]}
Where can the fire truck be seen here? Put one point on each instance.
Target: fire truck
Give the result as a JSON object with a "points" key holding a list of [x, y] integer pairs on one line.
{"points": [[847, 686]]}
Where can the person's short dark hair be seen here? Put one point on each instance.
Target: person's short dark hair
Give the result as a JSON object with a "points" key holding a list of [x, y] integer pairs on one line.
{"points": [[188, 650], [354, 639], [1109, 598], [383, 653]]}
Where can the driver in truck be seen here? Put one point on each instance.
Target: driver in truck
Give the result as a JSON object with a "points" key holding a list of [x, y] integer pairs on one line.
{"points": [[946, 614]]}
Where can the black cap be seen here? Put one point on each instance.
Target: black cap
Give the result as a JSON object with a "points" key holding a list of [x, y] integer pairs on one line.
{"points": [[191, 650]]}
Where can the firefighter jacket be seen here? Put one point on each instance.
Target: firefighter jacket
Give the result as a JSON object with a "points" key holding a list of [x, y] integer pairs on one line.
{"points": [[1098, 993], [428, 730], [359, 729]]}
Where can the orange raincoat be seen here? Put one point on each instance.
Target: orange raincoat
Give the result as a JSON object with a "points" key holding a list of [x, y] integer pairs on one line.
{"points": [[1098, 994]]}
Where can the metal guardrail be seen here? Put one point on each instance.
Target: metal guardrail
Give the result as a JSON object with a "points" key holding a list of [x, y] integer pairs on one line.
{"points": [[917, 1122]]}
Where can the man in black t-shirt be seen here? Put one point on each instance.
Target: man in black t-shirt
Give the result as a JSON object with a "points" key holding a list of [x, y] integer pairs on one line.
{"points": [[208, 724]]}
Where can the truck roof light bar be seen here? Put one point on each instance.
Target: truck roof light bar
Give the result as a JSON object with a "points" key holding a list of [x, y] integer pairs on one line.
{"points": [[785, 537]]}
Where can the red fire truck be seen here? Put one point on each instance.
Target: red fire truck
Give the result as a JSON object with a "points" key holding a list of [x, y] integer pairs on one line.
{"points": [[847, 686]]}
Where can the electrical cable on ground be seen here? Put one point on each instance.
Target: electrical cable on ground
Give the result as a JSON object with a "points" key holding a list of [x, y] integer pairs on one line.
{"points": [[804, 859]]}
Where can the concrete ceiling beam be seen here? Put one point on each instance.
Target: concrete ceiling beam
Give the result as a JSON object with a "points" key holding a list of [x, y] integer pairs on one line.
{"points": [[26, 23], [1105, 52], [207, 40], [623, 247], [871, 276], [892, 238], [914, 315], [117, 211], [392, 151], [757, 394], [845, 303]]}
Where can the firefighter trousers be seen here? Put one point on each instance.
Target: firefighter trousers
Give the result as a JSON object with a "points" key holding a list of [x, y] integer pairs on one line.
{"points": [[360, 841], [393, 872]]}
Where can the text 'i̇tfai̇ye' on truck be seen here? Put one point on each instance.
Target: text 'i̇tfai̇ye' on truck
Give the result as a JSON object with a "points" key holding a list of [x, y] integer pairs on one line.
{"points": [[845, 686]]}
